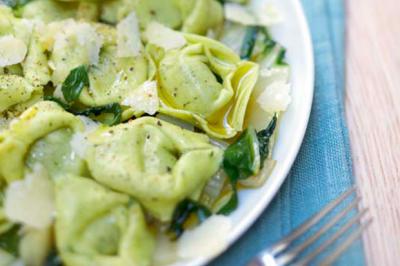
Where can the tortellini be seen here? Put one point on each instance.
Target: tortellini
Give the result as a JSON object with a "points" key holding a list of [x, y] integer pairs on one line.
{"points": [[158, 163], [99, 227], [49, 10], [113, 79], [14, 90], [55, 154], [35, 123], [10, 25], [36, 69], [194, 16], [206, 84]]}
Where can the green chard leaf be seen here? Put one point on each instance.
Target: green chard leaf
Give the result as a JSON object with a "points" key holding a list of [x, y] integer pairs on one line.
{"points": [[233, 202], [258, 46], [249, 42], [53, 259], [114, 108], [245, 157], [73, 85], [182, 213], [264, 138], [64, 105], [241, 160], [9, 241]]}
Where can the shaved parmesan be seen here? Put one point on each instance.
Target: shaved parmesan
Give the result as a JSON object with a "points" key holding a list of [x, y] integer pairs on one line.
{"points": [[144, 99], [79, 142], [258, 107], [264, 15], [12, 50], [128, 37], [207, 240], [31, 201], [164, 37], [275, 98], [84, 34]]}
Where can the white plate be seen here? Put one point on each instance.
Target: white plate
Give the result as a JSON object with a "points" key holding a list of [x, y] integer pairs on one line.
{"points": [[294, 34]]}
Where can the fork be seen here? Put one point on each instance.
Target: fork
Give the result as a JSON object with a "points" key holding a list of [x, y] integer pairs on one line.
{"points": [[285, 252]]}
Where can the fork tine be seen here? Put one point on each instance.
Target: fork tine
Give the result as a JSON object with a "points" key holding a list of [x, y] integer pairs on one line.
{"points": [[293, 253], [347, 243], [333, 238], [285, 242]]}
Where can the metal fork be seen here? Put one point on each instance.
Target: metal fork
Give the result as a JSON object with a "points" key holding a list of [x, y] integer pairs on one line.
{"points": [[284, 252]]}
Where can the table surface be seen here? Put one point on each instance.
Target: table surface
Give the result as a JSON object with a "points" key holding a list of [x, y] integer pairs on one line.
{"points": [[373, 113]]}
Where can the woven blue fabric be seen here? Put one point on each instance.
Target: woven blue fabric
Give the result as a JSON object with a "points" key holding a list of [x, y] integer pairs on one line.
{"points": [[323, 168]]}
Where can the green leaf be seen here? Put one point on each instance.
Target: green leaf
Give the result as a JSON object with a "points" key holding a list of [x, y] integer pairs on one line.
{"points": [[233, 202], [249, 42], [75, 82], [264, 138], [182, 213], [115, 109], [9, 241], [241, 159], [53, 259], [258, 45], [56, 100]]}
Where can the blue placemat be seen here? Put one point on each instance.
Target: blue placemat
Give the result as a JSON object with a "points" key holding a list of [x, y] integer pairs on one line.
{"points": [[323, 168]]}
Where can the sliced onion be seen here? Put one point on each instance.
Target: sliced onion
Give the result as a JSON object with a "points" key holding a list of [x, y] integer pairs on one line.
{"points": [[224, 198], [259, 180], [213, 189]]}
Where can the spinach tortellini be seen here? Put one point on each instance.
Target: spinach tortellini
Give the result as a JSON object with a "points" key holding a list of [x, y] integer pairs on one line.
{"points": [[35, 123], [54, 10], [96, 226], [113, 78], [55, 154], [158, 163], [14, 90], [206, 84], [193, 16]]}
